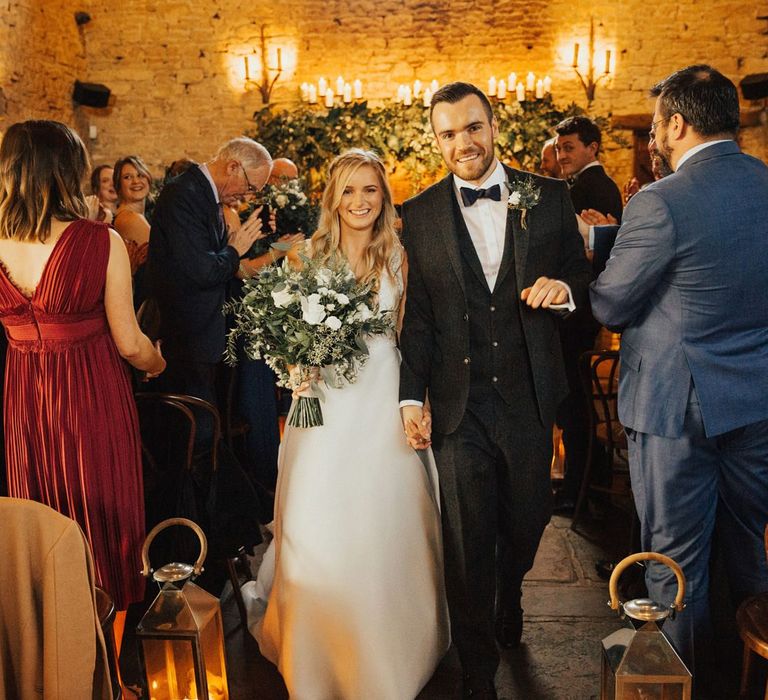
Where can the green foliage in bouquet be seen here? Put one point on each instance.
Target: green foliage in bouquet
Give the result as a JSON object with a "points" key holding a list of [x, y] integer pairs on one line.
{"points": [[312, 136]]}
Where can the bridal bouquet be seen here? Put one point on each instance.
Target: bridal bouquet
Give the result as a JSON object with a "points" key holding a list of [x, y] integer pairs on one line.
{"points": [[307, 323]]}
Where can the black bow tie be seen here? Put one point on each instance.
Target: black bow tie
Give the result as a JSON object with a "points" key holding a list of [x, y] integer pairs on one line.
{"points": [[469, 195]]}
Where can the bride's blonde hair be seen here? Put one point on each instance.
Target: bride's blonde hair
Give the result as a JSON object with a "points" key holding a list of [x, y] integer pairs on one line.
{"points": [[326, 241]]}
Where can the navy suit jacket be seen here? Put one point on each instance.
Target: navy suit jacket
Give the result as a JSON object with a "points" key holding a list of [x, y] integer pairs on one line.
{"points": [[686, 283], [189, 266]]}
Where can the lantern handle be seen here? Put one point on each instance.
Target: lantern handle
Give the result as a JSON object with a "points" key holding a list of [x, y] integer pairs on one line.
{"points": [[198, 567], [613, 584]]}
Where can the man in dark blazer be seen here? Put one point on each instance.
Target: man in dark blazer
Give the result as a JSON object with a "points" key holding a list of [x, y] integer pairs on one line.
{"points": [[480, 342], [192, 258], [577, 144], [686, 284]]}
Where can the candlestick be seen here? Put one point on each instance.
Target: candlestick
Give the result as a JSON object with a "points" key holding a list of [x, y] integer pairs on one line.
{"points": [[329, 98], [501, 91], [492, 86], [530, 82], [607, 61], [520, 90], [575, 55], [339, 85], [357, 88], [322, 86], [312, 94], [347, 93], [547, 84], [407, 97], [416, 87], [539, 89]]}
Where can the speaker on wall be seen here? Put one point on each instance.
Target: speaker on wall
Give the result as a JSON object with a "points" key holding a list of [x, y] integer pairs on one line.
{"points": [[91, 94], [755, 86]]}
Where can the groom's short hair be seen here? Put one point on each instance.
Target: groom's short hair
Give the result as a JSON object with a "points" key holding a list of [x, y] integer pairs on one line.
{"points": [[455, 92]]}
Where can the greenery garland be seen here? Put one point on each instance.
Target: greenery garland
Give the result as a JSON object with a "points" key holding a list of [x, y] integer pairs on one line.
{"points": [[312, 136]]}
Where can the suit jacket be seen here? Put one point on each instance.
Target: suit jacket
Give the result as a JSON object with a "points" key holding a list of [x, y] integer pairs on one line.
{"points": [[189, 266], [605, 237], [686, 284], [54, 646], [435, 338], [593, 189]]}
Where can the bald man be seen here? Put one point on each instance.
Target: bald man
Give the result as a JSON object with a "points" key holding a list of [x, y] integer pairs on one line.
{"points": [[283, 169]]}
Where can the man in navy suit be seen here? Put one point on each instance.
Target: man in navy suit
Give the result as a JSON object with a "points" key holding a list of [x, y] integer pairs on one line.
{"points": [[686, 284], [191, 260]]}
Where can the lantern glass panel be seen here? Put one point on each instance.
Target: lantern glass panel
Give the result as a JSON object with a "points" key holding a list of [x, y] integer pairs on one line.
{"points": [[170, 669], [213, 653], [651, 691]]}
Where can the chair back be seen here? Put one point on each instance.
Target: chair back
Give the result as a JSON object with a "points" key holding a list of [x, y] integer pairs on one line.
{"points": [[599, 373]]}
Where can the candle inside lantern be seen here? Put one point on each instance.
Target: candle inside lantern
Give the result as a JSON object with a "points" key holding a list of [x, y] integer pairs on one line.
{"points": [[530, 82], [339, 85], [357, 89], [575, 55], [312, 94], [492, 86], [520, 90], [322, 86], [417, 87], [607, 61], [347, 93], [539, 89], [501, 90], [547, 84], [329, 98]]}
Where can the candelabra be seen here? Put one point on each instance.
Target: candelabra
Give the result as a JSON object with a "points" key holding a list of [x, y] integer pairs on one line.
{"points": [[267, 83], [589, 82]]}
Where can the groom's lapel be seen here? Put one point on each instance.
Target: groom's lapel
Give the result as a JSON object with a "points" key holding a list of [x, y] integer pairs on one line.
{"points": [[443, 215], [515, 240]]}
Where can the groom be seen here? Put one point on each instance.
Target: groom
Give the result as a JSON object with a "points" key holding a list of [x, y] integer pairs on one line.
{"points": [[480, 342]]}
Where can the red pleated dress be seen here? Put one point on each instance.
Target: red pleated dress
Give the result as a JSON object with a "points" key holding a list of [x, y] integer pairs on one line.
{"points": [[71, 429]]}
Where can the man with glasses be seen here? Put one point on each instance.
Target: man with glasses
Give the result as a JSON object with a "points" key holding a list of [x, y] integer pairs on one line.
{"points": [[685, 284], [192, 258]]}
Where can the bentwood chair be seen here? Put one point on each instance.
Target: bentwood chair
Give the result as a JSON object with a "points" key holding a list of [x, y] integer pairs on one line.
{"points": [[599, 373]]}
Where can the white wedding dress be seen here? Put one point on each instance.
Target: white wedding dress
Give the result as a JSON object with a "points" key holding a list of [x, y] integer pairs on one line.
{"points": [[354, 580]]}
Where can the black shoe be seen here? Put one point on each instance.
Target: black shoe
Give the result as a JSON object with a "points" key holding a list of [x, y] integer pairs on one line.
{"points": [[509, 629], [478, 689]]}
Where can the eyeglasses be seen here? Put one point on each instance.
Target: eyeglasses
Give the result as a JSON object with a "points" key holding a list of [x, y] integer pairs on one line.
{"points": [[652, 132], [251, 189]]}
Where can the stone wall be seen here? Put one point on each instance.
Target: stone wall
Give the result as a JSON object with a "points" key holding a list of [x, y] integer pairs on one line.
{"points": [[177, 75]]}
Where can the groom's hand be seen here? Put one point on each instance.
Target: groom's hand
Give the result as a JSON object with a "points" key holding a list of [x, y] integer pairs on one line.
{"points": [[418, 426], [544, 292]]}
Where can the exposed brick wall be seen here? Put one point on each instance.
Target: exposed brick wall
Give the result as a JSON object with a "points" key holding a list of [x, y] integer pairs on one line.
{"points": [[175, 68]]}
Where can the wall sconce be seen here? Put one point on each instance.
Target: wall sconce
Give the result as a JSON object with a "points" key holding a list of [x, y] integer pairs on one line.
{"points": [[266, 84], [590, 83]]}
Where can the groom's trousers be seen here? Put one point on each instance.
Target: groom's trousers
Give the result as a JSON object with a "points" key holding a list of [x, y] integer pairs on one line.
{"points": [[496, 501]]}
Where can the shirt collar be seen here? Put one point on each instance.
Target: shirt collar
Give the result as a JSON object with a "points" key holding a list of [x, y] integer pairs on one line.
{"points": [[498, 176], [588, 165], [695, 149], [207, 173]]}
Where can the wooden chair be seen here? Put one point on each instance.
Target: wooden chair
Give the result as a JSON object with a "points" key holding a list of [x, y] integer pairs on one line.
{"points": [[185, 405], [599, 372], [752, 622]]}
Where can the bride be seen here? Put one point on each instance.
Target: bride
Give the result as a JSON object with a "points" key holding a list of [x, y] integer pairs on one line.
{"points": [[356, 605]]}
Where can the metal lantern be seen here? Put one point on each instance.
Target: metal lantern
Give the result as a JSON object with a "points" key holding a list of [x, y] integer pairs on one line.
{"points": [[639, 663], [182, 639]]}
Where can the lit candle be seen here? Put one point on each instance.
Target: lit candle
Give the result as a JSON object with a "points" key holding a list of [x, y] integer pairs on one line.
{"points": [[501, 91], [530, 81], [357, 89], [492, 86], [434, 86], [607, 61], [312, 95], [329, 98], [512, 81], [279, 60], [407, 97], [247, 71], [339, 85], [304, 92], [322, 86], [427, 97], [416, 87], [547, 84], [347, 93], [400, 93], [520, 89], [575, 55], [539, 89]]}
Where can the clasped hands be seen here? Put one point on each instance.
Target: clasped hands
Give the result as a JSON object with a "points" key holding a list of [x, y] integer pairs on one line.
{"points": [[417, 424]]}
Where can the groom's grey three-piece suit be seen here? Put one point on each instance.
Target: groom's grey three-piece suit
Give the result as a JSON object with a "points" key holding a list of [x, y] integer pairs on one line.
{"points": [[493, 372]]}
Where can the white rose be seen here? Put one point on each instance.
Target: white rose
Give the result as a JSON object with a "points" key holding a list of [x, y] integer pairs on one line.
{"points": [[282, 297], [343, 299], [333, 323], [514, 199], [330, 307], [312, 310], [281, 200], [364, 312], [323, 277]]}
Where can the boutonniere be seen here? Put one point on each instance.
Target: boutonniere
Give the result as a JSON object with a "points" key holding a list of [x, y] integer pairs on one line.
{"points": [[523, 195]]}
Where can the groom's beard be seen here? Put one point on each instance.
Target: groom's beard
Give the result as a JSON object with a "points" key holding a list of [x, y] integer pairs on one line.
{"points": [[474, 169]]}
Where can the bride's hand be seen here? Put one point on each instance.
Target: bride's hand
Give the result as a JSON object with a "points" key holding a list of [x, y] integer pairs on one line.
{"points": [[418, 426], [300, 381]]}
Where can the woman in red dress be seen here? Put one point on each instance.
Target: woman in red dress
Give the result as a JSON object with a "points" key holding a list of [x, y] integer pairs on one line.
{"points": [[71, 430]]}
